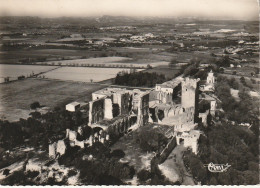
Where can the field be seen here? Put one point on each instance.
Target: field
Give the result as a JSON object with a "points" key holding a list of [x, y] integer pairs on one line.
{"points": [[91, 61], [109, 62], [16, 97], [84, 74], [18, 70]]}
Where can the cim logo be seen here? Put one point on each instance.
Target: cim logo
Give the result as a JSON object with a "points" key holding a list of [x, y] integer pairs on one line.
{"points": [[217, 167]]}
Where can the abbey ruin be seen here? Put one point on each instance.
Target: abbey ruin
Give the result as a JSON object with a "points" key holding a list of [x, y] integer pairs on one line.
{"points": [[116, 111]]}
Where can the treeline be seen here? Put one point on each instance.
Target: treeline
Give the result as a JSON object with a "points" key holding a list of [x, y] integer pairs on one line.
{"points": [[194, 70], [225, 144], [139, 79], [244, 110], [226, 141]]}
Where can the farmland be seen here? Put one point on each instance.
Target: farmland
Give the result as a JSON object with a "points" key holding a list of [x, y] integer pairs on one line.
{"points": [[14, 71], [16, 97], [90, 61], [84, 74]]}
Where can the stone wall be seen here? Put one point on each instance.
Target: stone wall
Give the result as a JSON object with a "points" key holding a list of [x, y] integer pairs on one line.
{"points": [[167, 150], [96, 110], [126, 103], [121, 125], [143, 110]]}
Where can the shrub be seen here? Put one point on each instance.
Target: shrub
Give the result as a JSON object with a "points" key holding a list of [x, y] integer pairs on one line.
{"points": [[6, 172], [143, 175], [118, 153], [35, 115], [32, 174], [72, 173]]}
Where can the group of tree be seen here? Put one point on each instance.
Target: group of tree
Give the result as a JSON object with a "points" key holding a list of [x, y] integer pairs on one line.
{"points": [[194, 69], [39, 129], [225, 144], [139, 79], [244, 110], [103, 168], [150, 140]]}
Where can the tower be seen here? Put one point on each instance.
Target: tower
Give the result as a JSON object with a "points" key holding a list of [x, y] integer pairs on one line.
{"points": [[190, 95]]}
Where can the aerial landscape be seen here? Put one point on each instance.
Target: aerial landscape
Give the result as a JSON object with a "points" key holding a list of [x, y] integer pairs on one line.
{"points": [[123, 99]]}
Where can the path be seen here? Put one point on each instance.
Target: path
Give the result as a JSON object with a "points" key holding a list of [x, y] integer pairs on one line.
{"points": [[174, 167]]}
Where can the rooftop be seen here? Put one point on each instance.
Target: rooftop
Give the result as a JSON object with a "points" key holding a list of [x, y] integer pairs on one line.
{"points": [[74, 103], [171, 83]]}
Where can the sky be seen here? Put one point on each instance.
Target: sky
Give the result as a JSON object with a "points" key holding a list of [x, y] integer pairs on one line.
{"points": [[221, 9]]}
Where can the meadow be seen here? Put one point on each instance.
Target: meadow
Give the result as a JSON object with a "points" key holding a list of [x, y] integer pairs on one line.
{"points": [[16, 97], [13, 71]]}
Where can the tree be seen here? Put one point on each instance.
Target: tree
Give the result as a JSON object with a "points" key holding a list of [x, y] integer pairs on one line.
{"points": [[149, 66], [242, 79], [6, 172], [224, 62], [35, 105], [221, 70]]}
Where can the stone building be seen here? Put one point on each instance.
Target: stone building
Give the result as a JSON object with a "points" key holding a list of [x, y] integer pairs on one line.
{"points": [[72, 107], [209, 84], [128, 102], [189, 139], [163, 93], [210, 78], [190, 95]]}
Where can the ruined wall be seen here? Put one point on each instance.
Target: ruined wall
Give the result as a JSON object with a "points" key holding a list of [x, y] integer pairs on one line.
{"points": [[153, 95], [125, 103], [204, 118], [185, 127], [213, 105], [190, 139], [143, 111], [108, 109], [96, 110], [167, 150], [161, 97], [57, 149], [121, 125], [172, 115]]}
